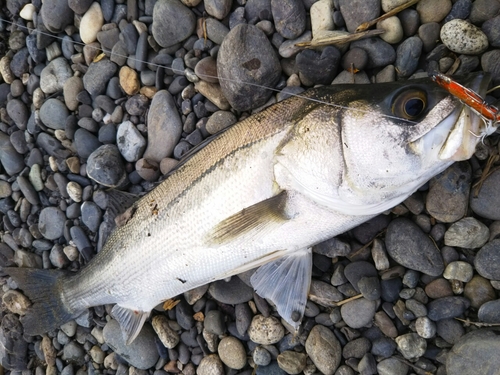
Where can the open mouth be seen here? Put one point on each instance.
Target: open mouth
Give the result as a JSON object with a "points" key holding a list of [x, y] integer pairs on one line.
{"points": [[470, 127]]}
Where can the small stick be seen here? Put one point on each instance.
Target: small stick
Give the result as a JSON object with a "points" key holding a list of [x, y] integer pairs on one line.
{"points": [[339, 39], [344, 301], [366, 25], [478, 324]]}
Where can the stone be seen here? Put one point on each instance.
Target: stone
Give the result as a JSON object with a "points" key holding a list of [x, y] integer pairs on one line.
{"points": [[380, 53], [105, 166], [292, 362], [98, 75], [129, 80], [91, 23], [210, 365], [447, 307], [56, 15], [358, 313], [461, 36], [51, 223], [323, 349], [487, 260], [355, 12], [169, 337], [468, 233], [164, 127], [318, 67], [232, 353], [433, 10], [479, 291], [54, 113], [393, 30], [485, 203], [72, 87], [54, 75], [407, 56], [265, 330], [218, 8], [289, 17], [130, 141], [491, 29], [461, 271], [256, 64], [411, 345], [172, 22]]}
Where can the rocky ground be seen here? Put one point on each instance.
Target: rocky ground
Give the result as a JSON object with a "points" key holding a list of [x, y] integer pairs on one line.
{"points": [[114, 93]]}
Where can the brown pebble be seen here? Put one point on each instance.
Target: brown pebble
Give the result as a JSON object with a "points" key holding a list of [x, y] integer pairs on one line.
{"points": [[16, 302], [479, 290], [385, 324], [129, 80], [438, 288]]}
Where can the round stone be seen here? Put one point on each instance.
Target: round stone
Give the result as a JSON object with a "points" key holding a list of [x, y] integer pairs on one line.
{"points": [[393, 30], [130, 142], [292, 362], [232, 353], [265, 331], [323, 349], [458, 270], [468, 233], [479, 291], [433, 10], [487, 260], [210, 365], [91, 23], [105, 166], [411, 345], [461, 36], [51, 223], [358, 313], [172, 22]]}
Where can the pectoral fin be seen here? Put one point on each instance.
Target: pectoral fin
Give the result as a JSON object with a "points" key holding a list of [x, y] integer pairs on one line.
{"points": [[259, 218], [131, 321], [286, 282]]}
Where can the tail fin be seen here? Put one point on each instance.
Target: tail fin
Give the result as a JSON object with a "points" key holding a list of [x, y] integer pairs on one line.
{"points": [[43, 288]]}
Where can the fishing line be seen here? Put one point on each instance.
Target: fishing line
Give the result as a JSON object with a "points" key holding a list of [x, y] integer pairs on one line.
{"points": [[182, 73]]}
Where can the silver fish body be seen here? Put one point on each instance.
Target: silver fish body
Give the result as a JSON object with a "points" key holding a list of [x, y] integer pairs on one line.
{"points": [[261, 194]]}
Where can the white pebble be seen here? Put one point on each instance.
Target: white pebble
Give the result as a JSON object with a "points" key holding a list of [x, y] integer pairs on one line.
{"points": [[27, 12], [321, 16], [461, 36], [393, 30], [74, 191], [91, 23], [425, 327], [458, 270]]}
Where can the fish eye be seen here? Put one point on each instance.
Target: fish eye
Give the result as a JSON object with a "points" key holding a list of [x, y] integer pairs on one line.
{"points": [[409, 104]]}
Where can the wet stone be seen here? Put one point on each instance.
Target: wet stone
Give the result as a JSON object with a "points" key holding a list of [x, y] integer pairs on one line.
{"points": [[356, 12], [380, 53], [98, 75], [485, 204], [407, 56], [105, 166]]}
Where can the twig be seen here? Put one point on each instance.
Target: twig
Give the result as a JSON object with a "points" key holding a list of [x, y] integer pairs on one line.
{"points": [[339, 39], [344, 301], [478, 324], [366, 25], [487, 171]]}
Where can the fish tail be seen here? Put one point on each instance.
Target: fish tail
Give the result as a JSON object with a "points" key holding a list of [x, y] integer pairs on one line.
{"points": [[43, 288]]}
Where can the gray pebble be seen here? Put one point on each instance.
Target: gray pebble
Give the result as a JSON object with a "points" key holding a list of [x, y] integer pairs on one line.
{"points": [[451, 330], [355, 271], [232, 292], [216, 30], [410, 247], [105, 166], [210, 365], [487, 260], [289, 17], [164, 127], [141, 353], [482, 10], [73, 352], [54, 75], [383, 347], [261, 356], [447, 307], [130, 141], [460, 9], [411, 345], [358, 313], [468, 233], [11, 160], [232, 353], [407, 56], [18, 112], [324, 294], [184, 315], [214, 322], [27, 189], [392, 366], [356, 348], [380, 53], [53, 114], [485, 203], [356, 12], [292, 362], [458, 270], [461, 36], [19, 64], [91, 215], [475, 353], [256, 64], [51, 223], [489, 312], [172, 22], [98, 75], [318, 67], [85, 143]]}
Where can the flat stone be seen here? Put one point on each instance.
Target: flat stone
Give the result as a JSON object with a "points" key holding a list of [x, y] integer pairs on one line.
{"points": [[323, 349], [487, 260], [172, 22]]}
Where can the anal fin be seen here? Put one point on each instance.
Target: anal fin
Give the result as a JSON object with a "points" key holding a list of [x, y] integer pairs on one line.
{"points": [[286, 282], [131, 321], [259, 217]]}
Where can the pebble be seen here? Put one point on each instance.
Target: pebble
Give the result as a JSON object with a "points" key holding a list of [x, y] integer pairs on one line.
{"points": [[479, 290], [91, 215], [356, 348], [85, 143], [484, 204], [356, 12], [447, 307], [91, 23], [18, 112], [321, 19], [410, 247], [54, 75], [73, 352], [491, 29], [232, 353], [56, 15], [318, 67], [407, 56], [16, 302], [257, 64], [461, 36], [265, 330], [169, 337], [210, 365], [130, 141], [425, 327], [438, 288], [448, 195], [411, 345], [129, 80], [380, 53], [392, 366], [393, 30], [172, 22], [51, 223], [261, 356], [482, 10], [164, 127], [141, 353], [433, 10], [468, 233], [292, 362], [358, 313], [323, 349], [475, 353], [231, 292], [461, 271], [289, 18], [214, 322], [487, 262], [54, 113], [220, 120], [460, 9], [105, 166], [98, 75]]}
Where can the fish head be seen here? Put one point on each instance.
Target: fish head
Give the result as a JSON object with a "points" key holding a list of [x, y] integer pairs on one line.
{"points": [[402, 134]]}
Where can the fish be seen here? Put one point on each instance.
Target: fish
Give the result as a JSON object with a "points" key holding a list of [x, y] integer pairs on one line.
{"points": [[260, 194]]}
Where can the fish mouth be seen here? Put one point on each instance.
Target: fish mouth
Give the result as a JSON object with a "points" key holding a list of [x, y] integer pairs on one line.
{"points": [[470, 127]]}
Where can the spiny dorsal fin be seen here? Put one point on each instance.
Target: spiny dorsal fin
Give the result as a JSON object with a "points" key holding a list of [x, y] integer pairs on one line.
{"points": [[257, 217], [131, 321], [286, 282]]}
